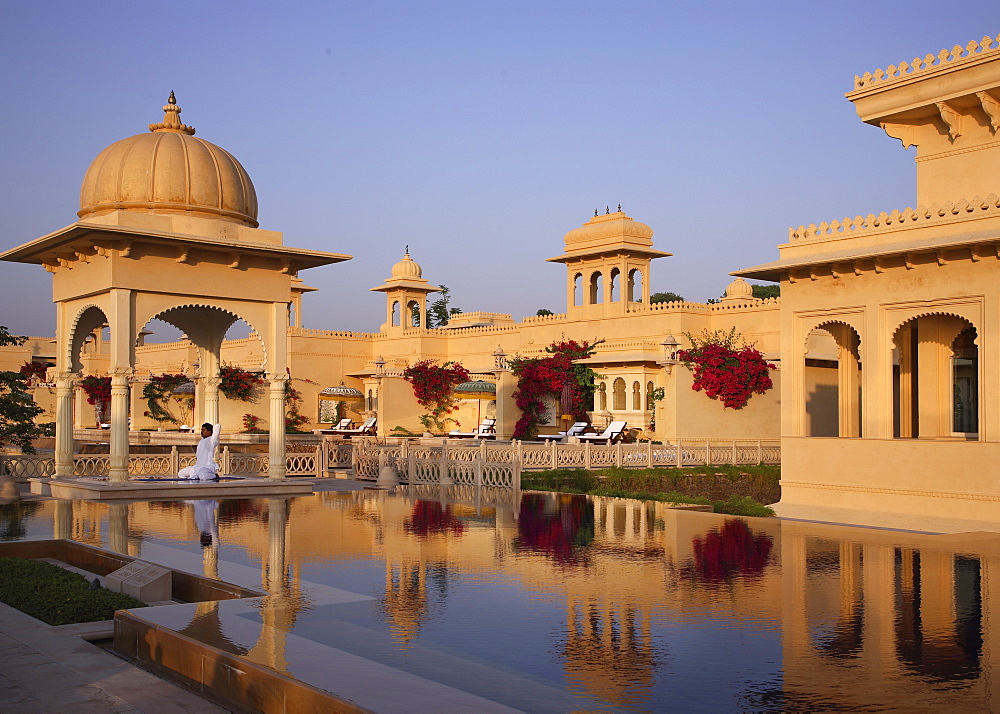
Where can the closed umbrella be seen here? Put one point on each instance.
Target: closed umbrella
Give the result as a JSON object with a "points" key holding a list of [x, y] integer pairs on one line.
{"points": [[566, 404]]}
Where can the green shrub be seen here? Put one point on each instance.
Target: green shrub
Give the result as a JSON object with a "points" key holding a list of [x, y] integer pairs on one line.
{"points": [[735, 490], [55, 595], [742, 506]]}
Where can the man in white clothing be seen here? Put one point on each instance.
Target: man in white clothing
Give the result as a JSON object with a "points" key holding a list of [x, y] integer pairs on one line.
{"points": [[205, 468]]}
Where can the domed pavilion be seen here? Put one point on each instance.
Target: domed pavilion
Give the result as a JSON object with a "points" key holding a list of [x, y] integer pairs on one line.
{"points": [[167, 229]]}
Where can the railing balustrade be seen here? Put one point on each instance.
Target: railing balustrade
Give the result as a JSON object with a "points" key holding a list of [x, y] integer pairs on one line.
{"points": [[341, 454]]}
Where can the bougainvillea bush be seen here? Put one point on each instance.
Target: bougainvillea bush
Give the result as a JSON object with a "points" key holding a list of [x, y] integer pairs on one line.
{"points": [[433, 385], [540, 378], [726, 368], [98, 391], [157, 391], [239, 384]]}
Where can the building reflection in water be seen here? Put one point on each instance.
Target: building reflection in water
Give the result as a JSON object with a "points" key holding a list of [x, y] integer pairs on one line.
{"points": [[862, 619]]}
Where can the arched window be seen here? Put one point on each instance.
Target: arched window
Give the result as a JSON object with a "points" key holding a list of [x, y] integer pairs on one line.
{"points": [[649, 396], [636, 396], [370, 401], [602, 393], [614, 285], [395, 314], [596, 288], [619, 395], [577, 287], [413, 312], [634, 291]]}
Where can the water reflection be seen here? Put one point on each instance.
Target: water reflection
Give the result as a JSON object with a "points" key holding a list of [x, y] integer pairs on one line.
{"points": [[615, 603]]}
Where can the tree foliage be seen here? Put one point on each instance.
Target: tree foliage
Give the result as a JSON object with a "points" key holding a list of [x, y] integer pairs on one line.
{"points": [[157, 392], [766, 291], [440, 311], [17, 409], [665, 297]]}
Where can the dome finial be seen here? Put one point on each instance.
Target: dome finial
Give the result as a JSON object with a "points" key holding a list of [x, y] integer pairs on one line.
{"points": [[172, 118]]}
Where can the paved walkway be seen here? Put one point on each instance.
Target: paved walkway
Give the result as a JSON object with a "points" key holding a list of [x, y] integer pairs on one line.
{"points": [[52, 669]]}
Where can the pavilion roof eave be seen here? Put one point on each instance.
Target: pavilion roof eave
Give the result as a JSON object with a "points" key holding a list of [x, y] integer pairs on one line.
{"points": [[774, 270], [571, 256], [418, 286], [34, 251]]}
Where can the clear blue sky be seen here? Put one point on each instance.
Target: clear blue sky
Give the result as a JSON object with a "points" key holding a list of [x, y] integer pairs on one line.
{"points": [[476, 132]]}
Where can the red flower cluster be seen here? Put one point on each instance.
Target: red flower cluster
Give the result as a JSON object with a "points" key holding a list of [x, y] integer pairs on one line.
{"points": [[430, 517], [33, 370], [734, 551], [293, 419], [562, 534], [546, 376], [239, 384], [98, 391], [432, 386], [251, 424], [729, 375]]}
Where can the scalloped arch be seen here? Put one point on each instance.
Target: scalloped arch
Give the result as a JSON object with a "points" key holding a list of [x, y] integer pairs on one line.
{"points": [[203, 306], [74, 346], [932, 312]]}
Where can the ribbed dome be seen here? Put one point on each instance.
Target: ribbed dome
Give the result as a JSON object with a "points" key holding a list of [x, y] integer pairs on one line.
{"points": [[169, 171], [407, 268], [739, 289], [610, 227]]}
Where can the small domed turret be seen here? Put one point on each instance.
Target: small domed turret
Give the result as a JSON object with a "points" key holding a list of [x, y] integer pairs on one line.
{"points": [[407, 267], [739, 289]]}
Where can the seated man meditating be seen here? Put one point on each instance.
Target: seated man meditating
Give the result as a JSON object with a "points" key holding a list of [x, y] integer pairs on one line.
{"points": [[205, 468]]}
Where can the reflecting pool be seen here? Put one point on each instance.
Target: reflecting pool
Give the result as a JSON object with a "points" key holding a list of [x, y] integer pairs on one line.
{"points": [[546, 602]]}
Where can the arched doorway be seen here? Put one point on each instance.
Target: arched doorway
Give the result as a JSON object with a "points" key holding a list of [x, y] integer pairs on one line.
{"points": [[936, 378], [833, 381]]}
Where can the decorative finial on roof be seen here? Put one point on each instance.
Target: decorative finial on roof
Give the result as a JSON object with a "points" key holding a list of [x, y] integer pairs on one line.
{"points": [[607, 210], [406, 250], [595, 213], [619, 208], [172, 118]]}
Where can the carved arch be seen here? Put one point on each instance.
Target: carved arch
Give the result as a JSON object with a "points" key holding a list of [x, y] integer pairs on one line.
{"points": [[83, 325]]}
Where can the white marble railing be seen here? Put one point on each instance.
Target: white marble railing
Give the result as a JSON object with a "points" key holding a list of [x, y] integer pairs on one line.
{"points": [[463, 456]]}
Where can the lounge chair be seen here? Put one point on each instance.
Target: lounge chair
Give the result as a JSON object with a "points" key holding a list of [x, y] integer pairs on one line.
{"points": [[486, 430], [576, 430], [610, 435], [366, 429], [341, 426]]}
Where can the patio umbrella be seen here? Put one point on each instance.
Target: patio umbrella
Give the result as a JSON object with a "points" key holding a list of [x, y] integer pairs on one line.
{"points": [[479, 390], [340, 393]]}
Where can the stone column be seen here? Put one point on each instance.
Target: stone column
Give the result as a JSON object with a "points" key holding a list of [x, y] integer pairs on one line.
{"points": [[119, 428], [276, 423], [507, 411], [64, 425], [210, 405]]}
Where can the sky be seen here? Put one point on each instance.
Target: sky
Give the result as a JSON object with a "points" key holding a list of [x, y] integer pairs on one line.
{"points": [[477, 133]]}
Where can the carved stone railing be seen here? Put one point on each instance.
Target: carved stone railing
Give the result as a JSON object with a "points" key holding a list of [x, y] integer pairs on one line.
{"points": [[528, 455], [935, 214], [906, 70], [452, 466]]}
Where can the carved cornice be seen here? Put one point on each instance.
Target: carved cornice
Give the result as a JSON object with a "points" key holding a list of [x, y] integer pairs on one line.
{"points": [[919, 66]]}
